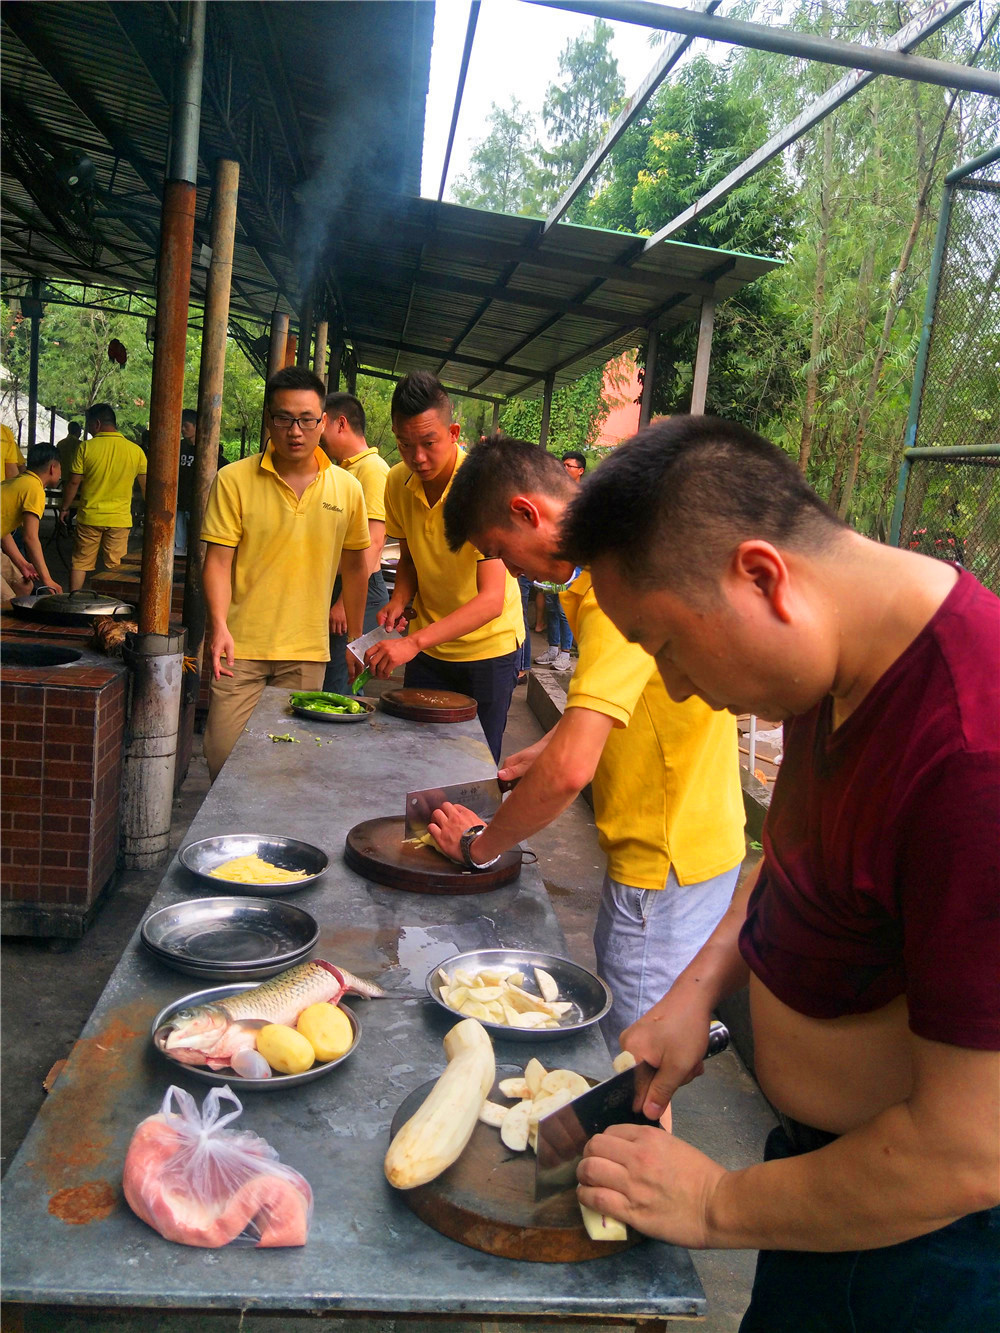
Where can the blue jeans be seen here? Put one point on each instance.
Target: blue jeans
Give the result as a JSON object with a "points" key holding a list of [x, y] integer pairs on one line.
{"points": [[527, 589], [559, 632], [489, 681], [644, 938], [944, 1282], [336, 669]]}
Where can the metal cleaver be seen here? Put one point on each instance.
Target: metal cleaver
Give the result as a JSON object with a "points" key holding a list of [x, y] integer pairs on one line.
{"points": [[563, 1134], [483, 797]]}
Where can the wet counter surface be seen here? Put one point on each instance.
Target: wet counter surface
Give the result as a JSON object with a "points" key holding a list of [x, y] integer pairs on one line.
{"points": [[70, 1238]]}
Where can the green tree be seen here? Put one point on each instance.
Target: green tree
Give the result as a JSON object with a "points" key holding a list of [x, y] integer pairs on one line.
{"points": [[501, 165], [574, 419]]}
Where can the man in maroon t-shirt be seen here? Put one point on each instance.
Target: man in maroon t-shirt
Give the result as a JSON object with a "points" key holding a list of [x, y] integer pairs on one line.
{"points": [[870, 936]]}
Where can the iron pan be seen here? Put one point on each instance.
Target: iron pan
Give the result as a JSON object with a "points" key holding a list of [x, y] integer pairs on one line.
{"points": [[366, 704], [586, 991], [235, 939], [276, 1082], [33, 607], [288, 853]]}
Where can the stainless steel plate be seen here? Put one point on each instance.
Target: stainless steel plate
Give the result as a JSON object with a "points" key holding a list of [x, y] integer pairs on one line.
{"points": [[367, 708], [273, 1084], [588, 994], [287, 853], [239, 939]]}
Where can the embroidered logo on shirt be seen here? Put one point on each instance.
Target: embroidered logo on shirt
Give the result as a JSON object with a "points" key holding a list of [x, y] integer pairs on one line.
{"points": [[335, 508]]}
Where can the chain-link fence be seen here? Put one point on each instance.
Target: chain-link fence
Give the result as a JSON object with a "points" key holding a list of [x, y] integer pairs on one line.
{"points": [[948, 503]]}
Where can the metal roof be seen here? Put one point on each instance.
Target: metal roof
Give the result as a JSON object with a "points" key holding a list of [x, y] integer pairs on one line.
{"points": [[322, 105]]}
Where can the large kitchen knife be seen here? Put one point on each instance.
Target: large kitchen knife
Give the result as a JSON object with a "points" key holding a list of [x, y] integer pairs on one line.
{"points": [[482, 797], [563, 1134]]}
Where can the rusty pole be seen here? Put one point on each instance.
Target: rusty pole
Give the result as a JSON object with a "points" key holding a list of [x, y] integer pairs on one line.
{"points": [[210, 383], [173, 288], [275, 360], [291, 349], [319, 352]]}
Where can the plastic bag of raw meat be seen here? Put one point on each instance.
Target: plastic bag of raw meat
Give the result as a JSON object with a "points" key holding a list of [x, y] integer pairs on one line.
{"points": [[199, 1183]]}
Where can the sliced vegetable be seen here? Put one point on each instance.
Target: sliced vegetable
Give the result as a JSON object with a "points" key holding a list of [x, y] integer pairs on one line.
{"points": [[436, 1134]]}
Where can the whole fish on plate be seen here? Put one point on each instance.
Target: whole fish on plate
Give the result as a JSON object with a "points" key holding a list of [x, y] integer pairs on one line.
{"points": [[211, 1034]]}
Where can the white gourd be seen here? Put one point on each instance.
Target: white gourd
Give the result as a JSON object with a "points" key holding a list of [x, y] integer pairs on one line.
{"points": [[438, 1131]]}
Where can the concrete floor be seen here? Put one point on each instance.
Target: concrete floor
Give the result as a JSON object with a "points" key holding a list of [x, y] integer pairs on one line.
{"points": [[50, 988]]}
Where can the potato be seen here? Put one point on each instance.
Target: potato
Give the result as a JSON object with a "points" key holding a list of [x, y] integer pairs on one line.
{"points": [[548, 987], [327, 1029], [622, 1061], [600, 1227], [558, 1080], [514, 1127], [514, 1087], [534, 1072], [492, 1113], [284, 1049]]}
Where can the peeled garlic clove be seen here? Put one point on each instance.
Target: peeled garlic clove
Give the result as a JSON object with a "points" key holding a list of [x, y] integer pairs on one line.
{"points": [[251, 1064]]}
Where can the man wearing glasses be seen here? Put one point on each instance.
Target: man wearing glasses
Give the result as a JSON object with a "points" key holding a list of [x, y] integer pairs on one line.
{"points": [[277, 525]]}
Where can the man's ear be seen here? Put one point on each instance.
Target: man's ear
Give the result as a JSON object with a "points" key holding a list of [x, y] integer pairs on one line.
{"points": [[759, 569], [524, 510], [455, 430]]}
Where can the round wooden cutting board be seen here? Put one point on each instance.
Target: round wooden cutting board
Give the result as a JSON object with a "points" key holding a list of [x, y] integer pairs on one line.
{"points": [[376, 850], [487, 1200], [426, 705]]}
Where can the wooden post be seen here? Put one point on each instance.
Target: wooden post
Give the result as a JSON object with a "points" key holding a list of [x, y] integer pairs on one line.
{"points": [[703, 356], [648, 377]]}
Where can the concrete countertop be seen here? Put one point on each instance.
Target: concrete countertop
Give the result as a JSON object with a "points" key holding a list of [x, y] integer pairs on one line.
{"points": [[366, 1251]]}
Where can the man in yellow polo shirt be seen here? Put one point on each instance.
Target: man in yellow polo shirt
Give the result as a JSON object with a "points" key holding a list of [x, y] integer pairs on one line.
{"points": [[469, 623], [667, 797], [22, 504], [277, 526], [105, 471], [344, 443], [10, 455]]}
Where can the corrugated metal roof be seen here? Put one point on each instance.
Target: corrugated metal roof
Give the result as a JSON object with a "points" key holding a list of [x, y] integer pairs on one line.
{"points": [[322, 105]]}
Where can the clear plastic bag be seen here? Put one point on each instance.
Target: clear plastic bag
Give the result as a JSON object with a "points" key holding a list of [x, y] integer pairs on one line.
{"points": [[197, 1182]]}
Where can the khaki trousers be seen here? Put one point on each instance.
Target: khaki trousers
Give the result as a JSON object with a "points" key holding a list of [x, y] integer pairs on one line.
{"points": [[233, 699]]}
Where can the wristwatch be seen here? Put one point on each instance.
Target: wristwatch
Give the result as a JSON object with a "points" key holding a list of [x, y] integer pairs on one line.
{"points": [[465, 845]]}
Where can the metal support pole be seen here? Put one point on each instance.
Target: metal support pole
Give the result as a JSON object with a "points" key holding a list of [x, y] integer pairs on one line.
{"points": [[291, 350], [243, 442], [275, 360], [648, 377], [703, 356], [496, 417], [543, 430], [173, 289], [336, 365], [210, 384], [305, 333], [351, 375], [52, 425], [319, 351], [34, 320]]}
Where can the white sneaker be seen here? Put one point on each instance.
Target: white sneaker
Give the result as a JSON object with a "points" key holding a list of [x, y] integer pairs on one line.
{"points": [[563, 662], [548, 657]]}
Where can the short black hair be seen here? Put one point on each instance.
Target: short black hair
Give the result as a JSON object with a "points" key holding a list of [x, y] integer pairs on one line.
{"points": [[347, 406], [294, 377], [41, 455], [672, 503], [102, 413], [189, 417], [74, 428], [497, 469], [419, 392], [574, 456]]}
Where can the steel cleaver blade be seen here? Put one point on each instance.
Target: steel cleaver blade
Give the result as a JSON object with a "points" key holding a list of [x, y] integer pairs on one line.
{"points": [[483, 797], [563, 1134]]}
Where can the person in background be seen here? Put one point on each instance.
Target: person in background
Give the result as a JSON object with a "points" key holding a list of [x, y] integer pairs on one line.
{"points": [[106, 469], [344, 442], [560, 635], [666, 784], [869, 935], [185, 479], [277, 525], [68, 446], [468, 627], [22, 504], [10, 454]]}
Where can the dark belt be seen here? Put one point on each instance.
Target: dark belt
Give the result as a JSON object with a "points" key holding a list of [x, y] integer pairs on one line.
{"points": [[804, 1138]]}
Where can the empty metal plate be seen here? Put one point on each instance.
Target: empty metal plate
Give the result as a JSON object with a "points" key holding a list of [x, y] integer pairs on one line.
{"points": [[238, 937], [202, 857]]}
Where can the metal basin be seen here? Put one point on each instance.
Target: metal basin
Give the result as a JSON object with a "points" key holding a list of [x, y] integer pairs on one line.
{"points": [[37, 655]]}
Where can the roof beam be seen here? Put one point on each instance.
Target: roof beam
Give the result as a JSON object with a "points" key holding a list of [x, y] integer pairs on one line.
{"points": [[436, 354], [450, 388], [669, 57], [470, 33], [815, 111], [783, 41]]}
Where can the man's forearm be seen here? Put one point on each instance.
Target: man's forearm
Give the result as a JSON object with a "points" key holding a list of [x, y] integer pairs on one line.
{"points": [[373, 555], [218, 587], [9, 547], [354, 590], [33, 548], [70, 490]]}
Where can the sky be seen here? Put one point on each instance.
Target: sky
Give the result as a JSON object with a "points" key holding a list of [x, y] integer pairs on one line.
{"points": [[515, 53]]}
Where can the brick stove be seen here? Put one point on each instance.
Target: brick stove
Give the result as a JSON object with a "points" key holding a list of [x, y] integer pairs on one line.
{"points": [[61, 735]]}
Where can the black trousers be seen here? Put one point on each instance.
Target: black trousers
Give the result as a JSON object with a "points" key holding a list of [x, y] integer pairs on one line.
{"points": [[490, 682]]}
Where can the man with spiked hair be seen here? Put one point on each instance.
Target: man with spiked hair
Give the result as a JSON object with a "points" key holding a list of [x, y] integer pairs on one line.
{"points": [[665, 775], [870, 937]]}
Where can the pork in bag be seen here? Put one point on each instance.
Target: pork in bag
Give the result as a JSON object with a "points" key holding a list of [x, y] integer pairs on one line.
{"points": [[197, 1182]]}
